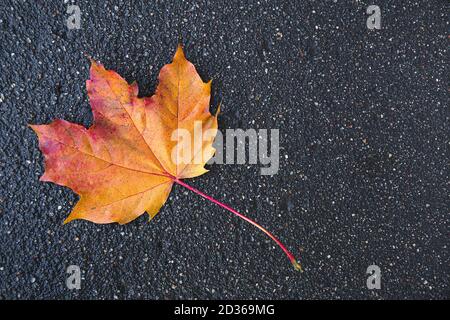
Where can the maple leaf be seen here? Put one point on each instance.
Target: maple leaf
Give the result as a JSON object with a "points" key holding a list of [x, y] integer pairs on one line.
{"points": [[124, 164]]}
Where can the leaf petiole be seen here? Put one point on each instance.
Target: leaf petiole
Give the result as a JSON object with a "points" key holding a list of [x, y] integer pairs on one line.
{"points": [[291, 257]]}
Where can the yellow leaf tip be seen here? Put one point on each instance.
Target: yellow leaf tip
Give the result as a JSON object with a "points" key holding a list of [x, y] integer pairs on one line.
{"points": [[179, 54], [70, 218], [297, 266], [217, 111], [96, 65]]}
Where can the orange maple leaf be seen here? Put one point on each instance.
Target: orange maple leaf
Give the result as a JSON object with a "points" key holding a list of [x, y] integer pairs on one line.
{"points": [[123, 165]]}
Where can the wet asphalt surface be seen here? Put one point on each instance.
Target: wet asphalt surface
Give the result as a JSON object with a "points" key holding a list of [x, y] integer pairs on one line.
{"points": [[363, 177]]}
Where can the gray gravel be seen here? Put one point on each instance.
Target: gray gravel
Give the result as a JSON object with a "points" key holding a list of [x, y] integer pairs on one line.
{"points": [[363, 179]]}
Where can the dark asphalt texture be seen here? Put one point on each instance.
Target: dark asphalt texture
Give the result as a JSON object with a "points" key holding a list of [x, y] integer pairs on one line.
{"points": [[364, 167]]}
